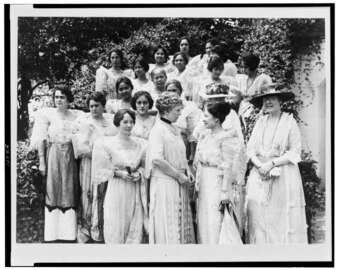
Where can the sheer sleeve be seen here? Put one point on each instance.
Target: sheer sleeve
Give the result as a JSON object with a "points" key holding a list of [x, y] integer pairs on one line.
{"points": [[192, 120], [101, 80], [40, 129], [102, 163], [254, 141], [230, 69], [80, 136]]}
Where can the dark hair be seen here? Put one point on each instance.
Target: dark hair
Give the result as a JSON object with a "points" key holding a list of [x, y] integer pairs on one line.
{"points": [[215, 62], [65, 90], [97, 96], [138, 95], [144, 64], [158, 47], [182, 54], [213, 41], [176, 83], [120, 115], [219, 110], [182, 38], [121, 56], [251, 61], [125, 80]]}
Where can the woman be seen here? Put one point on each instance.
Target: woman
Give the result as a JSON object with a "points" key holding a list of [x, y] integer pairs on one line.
{"points": [[124, 89], [221, 164], [159, 78], [161, 58], [215, 67], [141, 82], [249, 84], [184, 48], [275, 199], [119, 160], [53, 126], [188, 119], [106, 78], [142, 103], [183, 74], [200, 62], [166, 166], [85, 130]]}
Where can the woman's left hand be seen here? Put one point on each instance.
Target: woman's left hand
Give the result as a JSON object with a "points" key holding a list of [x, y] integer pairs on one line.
{"points": [[265, 168], [136, 176]]}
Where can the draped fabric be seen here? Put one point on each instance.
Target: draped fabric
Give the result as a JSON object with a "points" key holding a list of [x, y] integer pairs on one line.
{"points": [[141, 86], [170, 217], [114, 105], [85, 131], [61, 200], [186, 78], [276, 206], [221, 164], [125, 215], [106, 80]]}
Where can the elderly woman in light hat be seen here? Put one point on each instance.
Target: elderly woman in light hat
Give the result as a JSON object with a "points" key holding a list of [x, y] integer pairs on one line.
{"points": [[275, 202], [166, 165]]}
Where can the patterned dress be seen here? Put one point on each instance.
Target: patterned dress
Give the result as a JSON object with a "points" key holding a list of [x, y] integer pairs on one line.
{"points": [[62, 187], [85, 131]]}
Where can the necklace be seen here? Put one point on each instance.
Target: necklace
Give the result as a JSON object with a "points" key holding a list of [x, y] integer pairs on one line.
{"points": [[272, 139]]}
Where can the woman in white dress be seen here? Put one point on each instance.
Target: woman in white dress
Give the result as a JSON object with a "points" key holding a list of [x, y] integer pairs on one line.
{"points": [[142, 82], [221, 164], [166, 165], [106, 78], [183, 74], [119, 161], [142, 103], [53, 127], [161, 58], [85, 130], [215, 67], [248, 85], [124, 89], [275, 198]]}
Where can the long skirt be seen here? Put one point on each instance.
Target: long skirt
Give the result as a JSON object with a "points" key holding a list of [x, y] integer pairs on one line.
{"points": [[276, 208], [209, 218], [61, 193], [170, 220], [123, 212]]}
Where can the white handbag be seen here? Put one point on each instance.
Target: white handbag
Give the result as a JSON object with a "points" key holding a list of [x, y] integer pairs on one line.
{"points": [[229, 232]]}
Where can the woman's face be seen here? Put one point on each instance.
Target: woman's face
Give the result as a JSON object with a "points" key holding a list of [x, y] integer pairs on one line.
{"points": [[96, 108], [139, 70], [142, 106], [115, 60], [216, 72], [209, 48], [173, 114], [173, 88], [60, 100], [179, 63], [184, 46], [246, 69], [124, 91], [271, 104], [126, 125], [209, 120], [159, 80], [159, 56]]}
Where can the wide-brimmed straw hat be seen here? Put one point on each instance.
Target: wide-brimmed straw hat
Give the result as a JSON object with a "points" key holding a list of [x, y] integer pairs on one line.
{"points": [[271, 90]]}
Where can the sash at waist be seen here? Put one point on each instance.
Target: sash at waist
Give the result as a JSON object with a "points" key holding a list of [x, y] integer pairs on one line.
{"points": [[160, 174], [265, 159], [60, 143], [207, 164]]}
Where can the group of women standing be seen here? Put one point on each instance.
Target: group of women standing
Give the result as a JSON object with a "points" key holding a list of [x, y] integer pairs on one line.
{"points": [[157, 161]]}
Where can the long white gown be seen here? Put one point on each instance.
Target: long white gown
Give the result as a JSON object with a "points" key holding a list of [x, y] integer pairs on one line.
{"points": [[221, 164], [276, 207], [170, 217]]}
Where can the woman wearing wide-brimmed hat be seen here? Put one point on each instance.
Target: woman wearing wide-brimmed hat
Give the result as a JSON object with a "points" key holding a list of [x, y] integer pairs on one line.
{"points": [[275, 202]]}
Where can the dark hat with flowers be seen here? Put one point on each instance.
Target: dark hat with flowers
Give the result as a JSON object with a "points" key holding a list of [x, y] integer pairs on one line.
{"points": [[271, 90]]}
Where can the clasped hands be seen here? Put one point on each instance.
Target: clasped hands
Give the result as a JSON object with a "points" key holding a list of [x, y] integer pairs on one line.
{"points": [[183, 179], [133, 177]]}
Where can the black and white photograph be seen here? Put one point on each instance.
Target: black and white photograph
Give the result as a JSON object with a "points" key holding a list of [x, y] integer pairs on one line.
{"points": [[184, 134]]}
